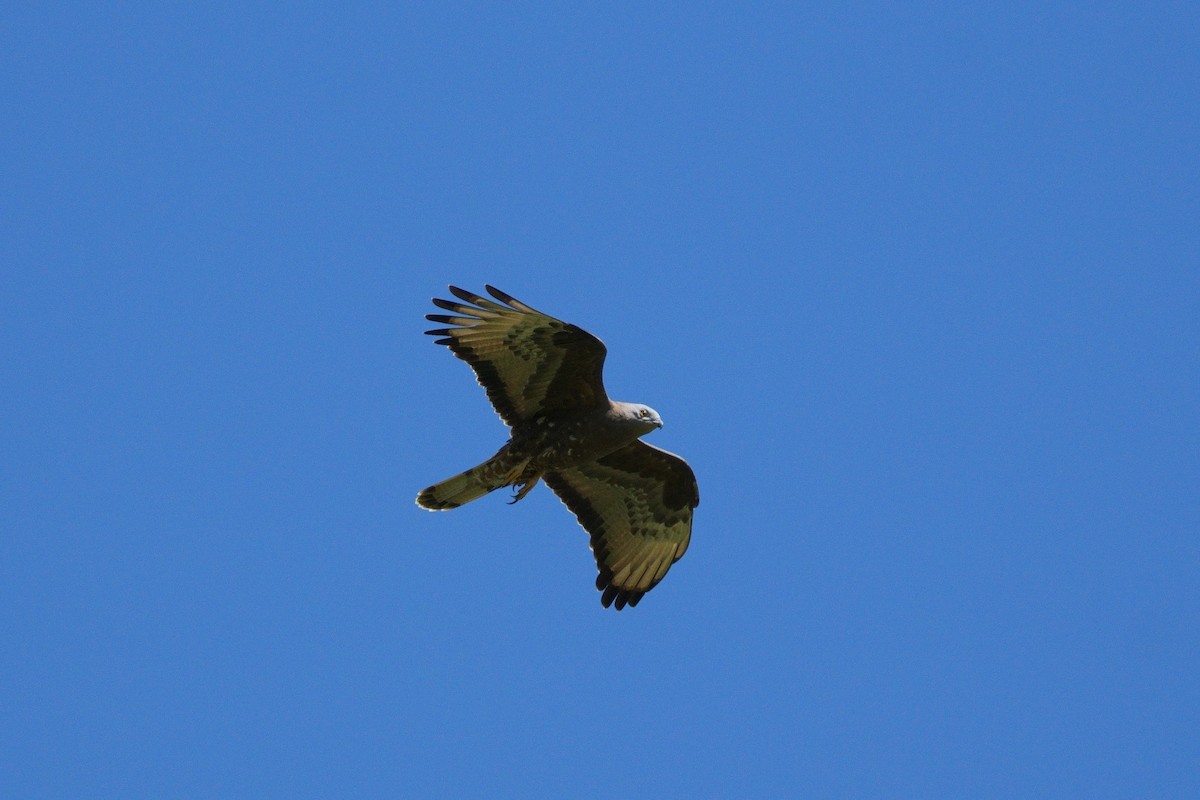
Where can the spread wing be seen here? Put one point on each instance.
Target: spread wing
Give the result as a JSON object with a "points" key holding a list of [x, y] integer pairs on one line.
{"points": [[527, 361], [637, 505]]}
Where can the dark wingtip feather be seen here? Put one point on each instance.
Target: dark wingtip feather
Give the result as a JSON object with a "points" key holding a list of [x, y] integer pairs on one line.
{"points": [[503, 297], [445, 319], [457, 308], [463, 294], [511, 301], [615, 597]]}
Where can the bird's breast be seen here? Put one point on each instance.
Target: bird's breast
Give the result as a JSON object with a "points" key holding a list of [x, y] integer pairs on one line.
{"points": [[561, 443]]}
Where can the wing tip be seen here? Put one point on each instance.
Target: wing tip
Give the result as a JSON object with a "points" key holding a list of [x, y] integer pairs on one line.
{"points": [[463, 294], [457, 308], [616, 597], [503, 297], [509, 300]]}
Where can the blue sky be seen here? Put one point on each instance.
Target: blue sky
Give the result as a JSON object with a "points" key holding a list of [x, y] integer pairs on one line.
{"points": [[914, 287]]}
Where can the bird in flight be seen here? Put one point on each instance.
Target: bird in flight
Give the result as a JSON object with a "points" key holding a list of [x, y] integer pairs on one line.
{"points": [[544, 378]]}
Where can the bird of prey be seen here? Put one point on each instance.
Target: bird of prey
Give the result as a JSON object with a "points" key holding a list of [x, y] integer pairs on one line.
{"points": [[544, 379]]}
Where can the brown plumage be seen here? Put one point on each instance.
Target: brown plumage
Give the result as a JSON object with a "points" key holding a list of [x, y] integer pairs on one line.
{"points": [[544, 378]]}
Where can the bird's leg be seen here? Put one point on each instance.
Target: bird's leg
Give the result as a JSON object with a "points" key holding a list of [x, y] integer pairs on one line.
{"points": [[525, 488]]}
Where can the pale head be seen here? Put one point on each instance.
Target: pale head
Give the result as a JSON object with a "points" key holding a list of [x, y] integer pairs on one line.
{"points": [[637, 416]]}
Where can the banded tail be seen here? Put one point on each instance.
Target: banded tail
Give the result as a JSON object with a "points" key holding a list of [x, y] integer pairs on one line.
{"points": [[466, 486]]}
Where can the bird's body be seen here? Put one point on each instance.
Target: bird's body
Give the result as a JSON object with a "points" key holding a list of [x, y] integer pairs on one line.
{"points": [[544, 378], [548, 443]]}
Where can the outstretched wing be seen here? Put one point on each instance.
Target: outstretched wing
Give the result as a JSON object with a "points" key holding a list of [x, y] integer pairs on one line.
{"points": [[527, 361], [637, 505]]}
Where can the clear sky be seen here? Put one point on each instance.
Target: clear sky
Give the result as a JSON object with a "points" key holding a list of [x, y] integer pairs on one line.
{"points": [[915, 288]]}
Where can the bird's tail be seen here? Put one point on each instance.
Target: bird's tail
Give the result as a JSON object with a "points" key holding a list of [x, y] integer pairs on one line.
{"points": [[497, 471]]}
